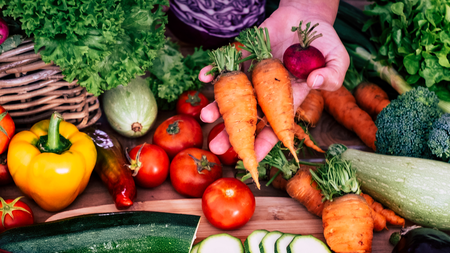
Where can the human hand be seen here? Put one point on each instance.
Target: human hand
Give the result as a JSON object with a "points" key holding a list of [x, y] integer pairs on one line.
{"points": [[329, 77]]}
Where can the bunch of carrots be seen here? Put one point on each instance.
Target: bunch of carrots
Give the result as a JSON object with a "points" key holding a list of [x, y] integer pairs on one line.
{"points": [[332, 192], [237, 97]]}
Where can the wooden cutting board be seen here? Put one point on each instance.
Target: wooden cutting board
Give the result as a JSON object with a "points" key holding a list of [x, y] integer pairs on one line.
{"points": [[272, 213]]}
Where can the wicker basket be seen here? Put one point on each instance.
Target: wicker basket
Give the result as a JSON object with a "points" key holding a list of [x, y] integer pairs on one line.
{"points": [[31, 90]]}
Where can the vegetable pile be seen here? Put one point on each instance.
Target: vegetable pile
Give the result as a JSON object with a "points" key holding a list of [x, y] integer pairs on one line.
{"points": [[101, 44]]}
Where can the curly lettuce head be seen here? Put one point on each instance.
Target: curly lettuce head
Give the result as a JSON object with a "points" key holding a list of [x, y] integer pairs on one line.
{"points": [[99, 43]]}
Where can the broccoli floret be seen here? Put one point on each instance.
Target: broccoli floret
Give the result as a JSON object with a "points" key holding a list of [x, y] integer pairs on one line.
{"points": [[404, 125], [439, 138]]}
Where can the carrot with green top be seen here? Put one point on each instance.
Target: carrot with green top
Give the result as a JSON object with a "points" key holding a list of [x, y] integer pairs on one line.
{"points": [[237, 104], [272, 85]]}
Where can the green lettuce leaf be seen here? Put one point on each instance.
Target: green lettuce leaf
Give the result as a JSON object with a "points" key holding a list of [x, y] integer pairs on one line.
{"points": [[414, 36], [99, 43], [172, 74]]}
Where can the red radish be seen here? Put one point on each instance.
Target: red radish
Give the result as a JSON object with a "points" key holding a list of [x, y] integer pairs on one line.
{"points": [[302, 58], [4, 30]]}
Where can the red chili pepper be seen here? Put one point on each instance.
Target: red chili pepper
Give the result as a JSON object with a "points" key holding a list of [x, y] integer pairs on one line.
{"points": [[112, 167]]}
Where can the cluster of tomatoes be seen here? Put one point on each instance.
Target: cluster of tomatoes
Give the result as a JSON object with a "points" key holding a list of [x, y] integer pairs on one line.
{"points": [[176, 152], [13, 212]]}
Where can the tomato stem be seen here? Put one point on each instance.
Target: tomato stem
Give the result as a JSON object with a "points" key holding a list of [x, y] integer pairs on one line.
{"points": [[203, 164], [7, 209], [136, 164], [173, 128]]}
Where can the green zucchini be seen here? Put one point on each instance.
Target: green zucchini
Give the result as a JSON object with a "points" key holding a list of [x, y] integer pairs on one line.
{"points": [[415, 188], [267, 244], [251, 244], [138, 231], [307, 244], [221, 243], [282, 242]]}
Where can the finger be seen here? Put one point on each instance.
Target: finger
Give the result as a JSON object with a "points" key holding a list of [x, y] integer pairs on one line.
{"points": [[220, 144], [264, 142], [210, 113], [203, 76], [299, 91], [332, 75]]}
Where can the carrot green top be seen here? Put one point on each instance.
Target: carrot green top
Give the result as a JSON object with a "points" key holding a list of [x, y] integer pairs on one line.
{"points": [[225, 59], [336, 178], [257, 42]]}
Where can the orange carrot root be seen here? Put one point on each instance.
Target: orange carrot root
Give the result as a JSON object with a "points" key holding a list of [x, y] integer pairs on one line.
{"points": [[274, 93], [237, 104], [311, 108], [371, 98], [348, 224], [390, 216], [261, 124], [298, 130], [341, 104], [302, 188]]}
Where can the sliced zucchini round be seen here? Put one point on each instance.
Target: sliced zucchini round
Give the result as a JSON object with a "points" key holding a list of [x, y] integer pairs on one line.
{"points": [[307, 244], [267, 244], [251, 244], [221, 243], [282, 242]]}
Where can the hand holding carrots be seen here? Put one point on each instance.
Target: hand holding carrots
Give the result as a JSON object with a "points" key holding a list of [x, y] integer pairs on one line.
{"points": [[279, 24]]}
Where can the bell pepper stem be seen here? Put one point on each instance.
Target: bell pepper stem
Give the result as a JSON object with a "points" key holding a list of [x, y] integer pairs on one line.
{"points": [[53, 131], [53, 142]]}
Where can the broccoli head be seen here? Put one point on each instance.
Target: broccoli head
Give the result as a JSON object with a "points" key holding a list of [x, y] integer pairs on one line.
{"points": [[439, 138], [404, 125]]}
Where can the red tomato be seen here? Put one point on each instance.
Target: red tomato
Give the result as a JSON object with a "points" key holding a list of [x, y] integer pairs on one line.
{"points": [[7, 129], [152, 167], [14, 213], [228, 203], [191, 103], [5, 176], [230, 157], [194, 169], [178, 133]]}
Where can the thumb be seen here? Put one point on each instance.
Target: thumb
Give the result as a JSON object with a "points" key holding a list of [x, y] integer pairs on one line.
{"points": [[331, 76]]}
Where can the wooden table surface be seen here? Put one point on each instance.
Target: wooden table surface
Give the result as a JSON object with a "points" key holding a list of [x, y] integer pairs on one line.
{"points": [[275, 209], [272, 204]]}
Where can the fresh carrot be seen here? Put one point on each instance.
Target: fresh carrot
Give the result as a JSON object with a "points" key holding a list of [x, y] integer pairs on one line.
{"points": [[311, 108], [341, 104], [302, 188], [389, 215], [300, 133], [272, 85], [347, 218], [348, 224], [371, 98], [237, 104]]}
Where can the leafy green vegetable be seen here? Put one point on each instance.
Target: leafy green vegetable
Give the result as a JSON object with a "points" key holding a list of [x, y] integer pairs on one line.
{"points": [[414, 37], [100, 43], [10, 43], [172, 74]]}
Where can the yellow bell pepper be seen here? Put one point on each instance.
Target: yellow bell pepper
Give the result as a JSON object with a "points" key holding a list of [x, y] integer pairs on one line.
{"points": [[52, 162]]}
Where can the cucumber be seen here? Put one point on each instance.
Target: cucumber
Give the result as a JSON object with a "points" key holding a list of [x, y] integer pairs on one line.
{"points": [[415, 188], [195, 248], [282, 242], [267, 244], [137, 231], [251, 244], [307, 244], [219, 243]]}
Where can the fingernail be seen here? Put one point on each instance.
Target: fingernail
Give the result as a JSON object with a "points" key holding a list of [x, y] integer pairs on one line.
{"points": [[318, 81]]}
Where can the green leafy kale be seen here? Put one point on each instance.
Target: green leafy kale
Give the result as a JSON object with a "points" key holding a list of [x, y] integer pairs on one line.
{"points": [[415, 38], [172, 74], [404, 125], [439, 139], [99, 43]]}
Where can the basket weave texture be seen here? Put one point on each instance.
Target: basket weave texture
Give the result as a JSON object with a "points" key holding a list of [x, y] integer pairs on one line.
{"points": [[31, 90]]}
